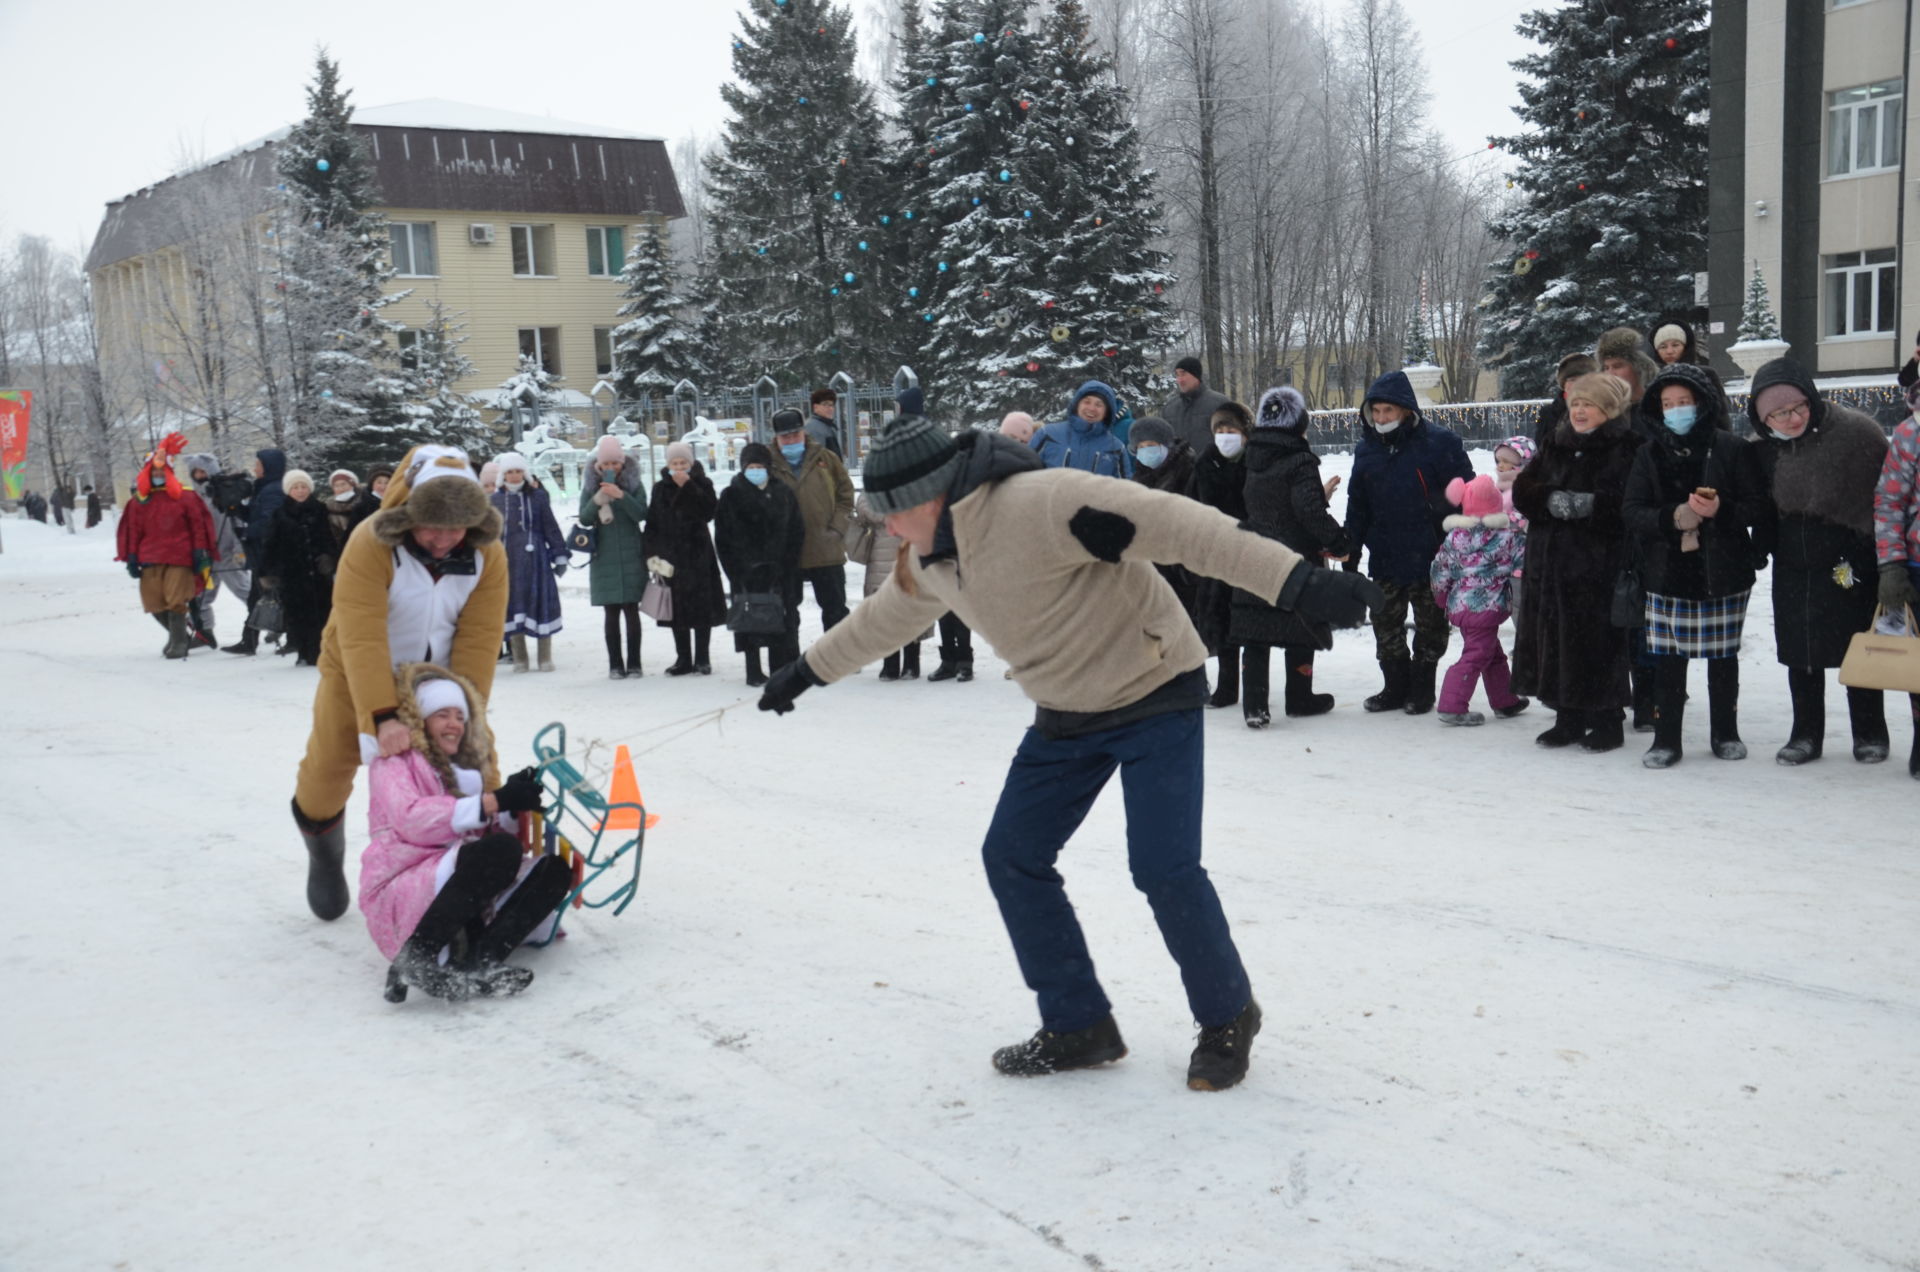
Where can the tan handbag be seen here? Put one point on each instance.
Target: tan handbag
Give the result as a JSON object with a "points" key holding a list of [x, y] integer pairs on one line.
{"points": [[1877, 661]]}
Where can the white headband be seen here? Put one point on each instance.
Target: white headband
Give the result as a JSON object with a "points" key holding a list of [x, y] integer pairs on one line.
{"points": [[437, 695]]}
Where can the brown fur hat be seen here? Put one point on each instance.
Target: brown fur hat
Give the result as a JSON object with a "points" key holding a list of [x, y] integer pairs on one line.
{"points": [[1625, 342], [1233, 415], [1572, 367], [1609, 393], [476, 748], [454, 499]]}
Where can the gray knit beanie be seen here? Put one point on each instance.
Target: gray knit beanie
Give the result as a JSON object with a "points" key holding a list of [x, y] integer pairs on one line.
{"points": [[912, 461]]}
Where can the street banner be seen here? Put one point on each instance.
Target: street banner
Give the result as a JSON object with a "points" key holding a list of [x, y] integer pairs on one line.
{"points": [[16, 405]]}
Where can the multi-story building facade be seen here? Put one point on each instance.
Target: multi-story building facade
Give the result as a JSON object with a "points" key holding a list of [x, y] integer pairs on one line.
{"points": [[1809, 158], [517, 224]]}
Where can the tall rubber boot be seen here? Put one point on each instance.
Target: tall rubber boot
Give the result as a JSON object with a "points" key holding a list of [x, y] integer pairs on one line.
{"points": [[1256, 686], [326, 862], [756, 675], [1420, 690], [179, 641], [1643, 693], [1669, 711], [1393, 694], [1227, 691], [1867, 711], [1299, 698], [1809, 691], [910, 662], [1723, 708], [703, 650], [682, 652], [517, 645]]}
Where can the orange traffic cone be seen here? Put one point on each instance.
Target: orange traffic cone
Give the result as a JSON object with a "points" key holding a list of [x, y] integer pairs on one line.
{"points": [[626, 790]]}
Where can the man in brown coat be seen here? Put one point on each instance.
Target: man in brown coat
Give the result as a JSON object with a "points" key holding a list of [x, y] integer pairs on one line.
{"points": [[1117, 685], [820, 484]]}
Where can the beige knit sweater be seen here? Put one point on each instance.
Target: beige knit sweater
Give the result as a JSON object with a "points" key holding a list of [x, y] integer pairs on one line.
{"points": [[1082, 634]]}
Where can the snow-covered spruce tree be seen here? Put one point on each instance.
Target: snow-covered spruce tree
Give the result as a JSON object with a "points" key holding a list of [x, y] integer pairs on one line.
{"points": [[431, 363], [1418, 350], [652, 349], [1098, 215], [1757, 321], [797, 177], [906, 231], [330, 263], [1610, 225]]}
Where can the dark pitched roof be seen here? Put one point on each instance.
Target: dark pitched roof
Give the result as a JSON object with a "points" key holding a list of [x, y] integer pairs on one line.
{"points": [[531, 169]]}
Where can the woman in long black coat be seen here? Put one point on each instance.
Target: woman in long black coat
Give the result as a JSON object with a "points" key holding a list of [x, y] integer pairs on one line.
{"points": [[1285, 500], [1821, 463], [1219, 481], [759, 535], [298, 564], [1568, 652], [678, 514]]}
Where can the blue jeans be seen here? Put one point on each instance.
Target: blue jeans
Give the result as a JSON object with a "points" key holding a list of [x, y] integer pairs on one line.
{"points": [[1050, 787]]}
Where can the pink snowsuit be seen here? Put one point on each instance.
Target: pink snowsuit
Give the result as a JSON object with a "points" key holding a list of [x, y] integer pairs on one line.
{"points": [[415, 824]]}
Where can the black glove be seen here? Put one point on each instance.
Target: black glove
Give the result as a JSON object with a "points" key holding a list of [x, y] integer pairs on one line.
{"points": [[520, 793], [787, 684], [1329, 596], [133, 567], [1568, 506], [559, 569], [1896, 587]]}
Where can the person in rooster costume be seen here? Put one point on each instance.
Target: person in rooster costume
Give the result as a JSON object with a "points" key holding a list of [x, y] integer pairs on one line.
{"points": [[166, 540]]}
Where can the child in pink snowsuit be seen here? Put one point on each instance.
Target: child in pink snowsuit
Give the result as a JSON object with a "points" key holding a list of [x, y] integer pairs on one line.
{"points": [[1471, 576], [443, 883]]}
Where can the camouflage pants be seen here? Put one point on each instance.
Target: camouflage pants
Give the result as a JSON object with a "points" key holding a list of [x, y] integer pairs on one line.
{"points": [[1430, 631]]}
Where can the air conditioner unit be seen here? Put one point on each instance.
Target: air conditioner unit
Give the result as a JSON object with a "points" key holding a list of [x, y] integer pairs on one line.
{"points": [[481, 234]]}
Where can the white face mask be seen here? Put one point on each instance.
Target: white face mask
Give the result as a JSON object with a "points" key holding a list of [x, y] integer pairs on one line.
{"points": [[514, 485], [1384, 429], [1229, 444]]}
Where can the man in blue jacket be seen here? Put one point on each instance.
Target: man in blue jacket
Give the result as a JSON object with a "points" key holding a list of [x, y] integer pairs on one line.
{"points": [[1085, 439], [1396, 499]]}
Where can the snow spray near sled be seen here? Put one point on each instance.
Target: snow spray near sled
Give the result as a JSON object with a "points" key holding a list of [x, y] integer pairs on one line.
{"points": [[587, 830]]}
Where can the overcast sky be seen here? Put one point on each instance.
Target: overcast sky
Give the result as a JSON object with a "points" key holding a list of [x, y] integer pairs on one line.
{"points": [[106, 96]]}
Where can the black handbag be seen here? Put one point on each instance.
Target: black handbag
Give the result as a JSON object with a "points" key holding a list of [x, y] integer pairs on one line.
{"points": [[756, 614], [1629, 599], [583, 539]]}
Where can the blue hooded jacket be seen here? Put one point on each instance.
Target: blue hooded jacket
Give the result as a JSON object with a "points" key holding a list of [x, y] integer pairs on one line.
{"points": [[1093, 448], [267, 498], [1397, 494]]}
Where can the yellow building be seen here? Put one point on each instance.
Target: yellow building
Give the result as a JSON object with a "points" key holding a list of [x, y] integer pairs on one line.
{"points": [[518, 224]]}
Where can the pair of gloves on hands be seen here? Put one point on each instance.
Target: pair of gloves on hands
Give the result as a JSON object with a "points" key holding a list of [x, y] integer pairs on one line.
{"points": [[660, 566], [521, 792], [202, 564], [1896, 587]]}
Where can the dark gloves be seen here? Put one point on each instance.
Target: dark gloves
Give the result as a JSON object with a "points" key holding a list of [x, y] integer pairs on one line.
{"points": [[520, 793], [1329, 596], [560, 569], [202, 560], [1896, 586], [133, 567], [787, 684], [1568, 506]]}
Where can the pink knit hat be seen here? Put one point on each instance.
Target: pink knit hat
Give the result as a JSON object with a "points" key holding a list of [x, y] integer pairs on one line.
{"points": [[1477, 498], [607, 450]]}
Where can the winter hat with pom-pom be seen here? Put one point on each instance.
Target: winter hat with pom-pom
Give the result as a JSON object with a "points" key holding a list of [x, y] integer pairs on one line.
{"points": [[911, 462], [1282, 407], [607, 451], [1477, 498]]}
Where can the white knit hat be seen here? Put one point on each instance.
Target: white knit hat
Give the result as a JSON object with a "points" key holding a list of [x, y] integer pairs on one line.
{"points": [[511, 461], [296, 477], [437, 695]]}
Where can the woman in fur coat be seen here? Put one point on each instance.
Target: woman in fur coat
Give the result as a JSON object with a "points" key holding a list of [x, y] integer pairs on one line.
{"points": [[612, 500], [758, 535], [1820, 462], [1567, 652], [536, 558], [299, 563], [443, 868], [679, 546]]}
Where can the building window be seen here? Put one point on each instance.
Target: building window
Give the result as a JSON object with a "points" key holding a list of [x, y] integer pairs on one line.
{"points": [[409, 342], [606, 251], [1863, 129], [542, 344], [603, 350], [1861, 298], [532, 251], [413, 254]]}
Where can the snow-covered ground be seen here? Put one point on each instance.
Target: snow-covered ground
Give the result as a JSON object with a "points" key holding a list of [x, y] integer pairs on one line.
{"points": [[1523, 1009]]}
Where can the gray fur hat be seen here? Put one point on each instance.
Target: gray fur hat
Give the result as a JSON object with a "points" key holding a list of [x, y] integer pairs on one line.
{"points": [[1282, 407]]}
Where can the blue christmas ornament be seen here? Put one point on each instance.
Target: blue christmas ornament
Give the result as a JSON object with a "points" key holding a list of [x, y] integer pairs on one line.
{"points": [[1005, 175], [943, 267], [863, 245], [1028, 214], [979, 38], [886, 220], [283, 186], [762, 251], [908, 215], [969, 106], [803, 101], [837, 196], [913, 293], [926, 317], [326, 393], [932, 82], [836, 291], [847, 277], [976, 200], [322, 164]]}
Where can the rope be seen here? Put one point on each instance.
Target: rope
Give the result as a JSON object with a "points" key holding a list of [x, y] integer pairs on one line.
{"points": [[592, 773]]}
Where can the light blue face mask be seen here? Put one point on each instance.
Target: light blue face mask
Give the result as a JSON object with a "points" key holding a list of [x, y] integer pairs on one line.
{"points": [[794, 453], [1681, 418], [1151, 456], [758, 476]]}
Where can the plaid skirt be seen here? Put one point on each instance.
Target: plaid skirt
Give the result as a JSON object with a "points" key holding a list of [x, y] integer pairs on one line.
{"points": [[1696, 629]]}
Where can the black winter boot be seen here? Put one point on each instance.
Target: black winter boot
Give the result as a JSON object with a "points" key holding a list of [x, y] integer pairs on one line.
{"points": [[946, 670], [1643, 695], [1607, 731], [1048, 1052], [541, 893], [910, 662], [326, 844], [1809, 691], [202, 634], [1227, 691], [179, 641], [1913, 760], [1256, 685], [703, 650], [1298, 696], [1420, 692], [682, 652], [756, 676], [483, 870], [249, 642], [890, 666], [1723, 708], [1867, 711], [1393, 694], [1568, 727], [1669, 711], [1220, 1056]]}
